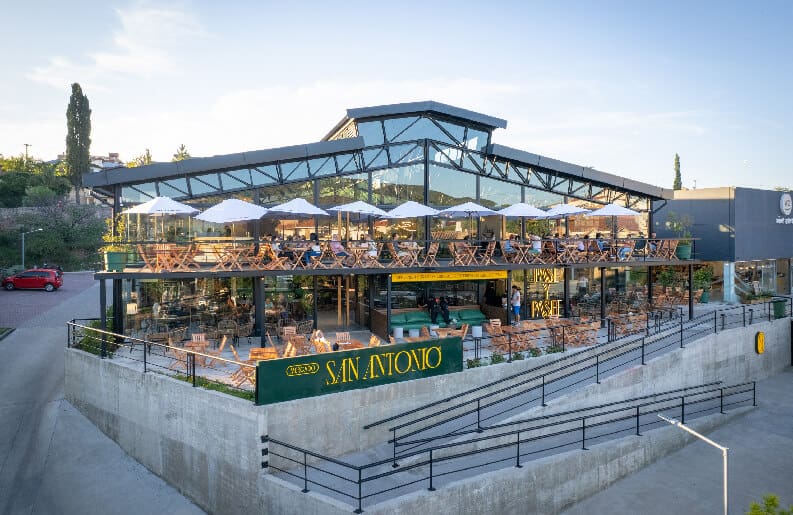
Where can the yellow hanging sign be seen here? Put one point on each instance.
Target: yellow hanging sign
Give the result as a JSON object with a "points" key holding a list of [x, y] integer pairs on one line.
{"points": [[448, 276]]}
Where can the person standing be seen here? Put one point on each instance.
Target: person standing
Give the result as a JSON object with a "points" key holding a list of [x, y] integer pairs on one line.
{"points": [[514, 301], [583, 285]]}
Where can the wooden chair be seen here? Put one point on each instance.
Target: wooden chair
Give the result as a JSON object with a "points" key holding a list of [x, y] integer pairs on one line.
{"points": [[274, 261], [257, 354], [217, 352], [487, 256], [424, 331], [287, 331], [374, 341], [510, 257], [228, 327], [149, 258], [432, 254], [179, 358], [243, 373], [391, 340], [397, 261], [305, 327]]}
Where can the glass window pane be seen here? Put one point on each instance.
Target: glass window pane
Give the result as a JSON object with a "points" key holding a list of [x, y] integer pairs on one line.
{"points": [[241, 178], [406, 153], [497, 194], [132, 195], [322, 166], [424, 128], [457, 131], [372, 133], [476, 140], [395, 126], [473, 162], [449, 187], [347, 162], [445, 154], [294, 171], [167, 189], [341, 190], [271, 195], [397, 185], [264, 175], [542, 199], [375, 158]]}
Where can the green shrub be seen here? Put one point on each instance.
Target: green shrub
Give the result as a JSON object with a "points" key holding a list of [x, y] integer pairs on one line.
{"points": [[535, 352], [205, 383], [770, 507], [496, 358], [473, 363], [554, 348], [517, 356]]}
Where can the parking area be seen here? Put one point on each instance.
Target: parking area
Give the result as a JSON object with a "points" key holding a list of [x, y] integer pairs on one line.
{"points": [[20, 305]]}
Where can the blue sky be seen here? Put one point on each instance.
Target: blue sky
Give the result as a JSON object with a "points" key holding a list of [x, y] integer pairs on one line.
{"points": [[617, 85]]}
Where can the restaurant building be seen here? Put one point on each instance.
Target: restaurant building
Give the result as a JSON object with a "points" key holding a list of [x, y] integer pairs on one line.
{"points": [[431, 153], [744, 234]]}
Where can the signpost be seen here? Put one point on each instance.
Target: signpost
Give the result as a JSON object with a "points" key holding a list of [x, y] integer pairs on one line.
{"points": [[319, 374]]}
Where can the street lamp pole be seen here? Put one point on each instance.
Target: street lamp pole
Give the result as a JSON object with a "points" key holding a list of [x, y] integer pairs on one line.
{"points": [[709, 442], [23, 245]]}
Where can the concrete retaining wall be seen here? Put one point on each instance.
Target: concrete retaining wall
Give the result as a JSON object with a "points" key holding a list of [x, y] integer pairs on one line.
{"points": [[203, 443]]}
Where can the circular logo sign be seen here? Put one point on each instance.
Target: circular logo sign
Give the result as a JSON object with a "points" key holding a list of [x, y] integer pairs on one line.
{"points": [[786, 204]]}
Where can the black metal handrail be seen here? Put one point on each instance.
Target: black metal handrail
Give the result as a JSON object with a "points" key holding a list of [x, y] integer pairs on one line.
{"points": [[686, 331], [508, 445], [106, 344]]}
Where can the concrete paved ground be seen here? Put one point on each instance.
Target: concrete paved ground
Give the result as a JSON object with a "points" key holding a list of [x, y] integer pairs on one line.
{"points": [[760, 461], [52, 459]]}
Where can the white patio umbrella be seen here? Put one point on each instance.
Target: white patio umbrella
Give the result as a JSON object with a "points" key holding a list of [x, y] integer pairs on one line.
{"points": [[469, 209], [297, 206], [522, 210], [161, 206], [411, 209], [232, 210], [562, 210], [613, 210], [358, 207]]}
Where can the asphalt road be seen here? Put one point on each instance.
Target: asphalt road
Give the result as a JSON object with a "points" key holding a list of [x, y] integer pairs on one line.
{"points": [[52, 459]]}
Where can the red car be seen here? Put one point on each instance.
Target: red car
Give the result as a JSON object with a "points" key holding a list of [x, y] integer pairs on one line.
{"points": [[46, 278]]}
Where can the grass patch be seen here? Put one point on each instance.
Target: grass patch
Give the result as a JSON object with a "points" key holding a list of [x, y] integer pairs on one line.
{"points": [[5, 331], [205, 383]]}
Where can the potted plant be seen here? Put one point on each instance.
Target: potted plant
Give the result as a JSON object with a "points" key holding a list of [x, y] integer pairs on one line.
{"points": [[114, 250], [666, 276], [703, 277], [681, 226]]}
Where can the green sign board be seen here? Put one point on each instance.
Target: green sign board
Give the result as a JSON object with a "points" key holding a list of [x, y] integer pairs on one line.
{"points": [[319, 374]]}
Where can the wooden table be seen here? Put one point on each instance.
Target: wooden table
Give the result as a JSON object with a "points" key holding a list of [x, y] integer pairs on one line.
{"points": [[352, 344]]}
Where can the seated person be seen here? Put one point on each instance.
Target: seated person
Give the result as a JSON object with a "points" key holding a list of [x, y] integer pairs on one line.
{"points": [[268, 303], [653, 242], [337, 248], [444, 309], [434, 308], [624, 249], [369, 243], [314, 248], [536, 243], [508, 249], [398, 245], [582, 243], [601, 242], [641, 244]]}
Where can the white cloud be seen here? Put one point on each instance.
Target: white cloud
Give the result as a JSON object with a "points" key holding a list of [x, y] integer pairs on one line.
{"points": [[141, 48]]}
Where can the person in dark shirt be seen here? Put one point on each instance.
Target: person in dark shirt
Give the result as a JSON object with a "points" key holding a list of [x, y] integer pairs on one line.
{"points": [[444, 309]]}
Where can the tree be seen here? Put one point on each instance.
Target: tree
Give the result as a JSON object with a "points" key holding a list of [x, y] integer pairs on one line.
{"points": [[142, 160], [181, 154], [78, 139], [770, 507], [678, 184]]}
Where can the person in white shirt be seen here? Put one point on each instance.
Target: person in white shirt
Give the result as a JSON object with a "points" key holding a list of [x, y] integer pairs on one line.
{"points": [[514, 301]]}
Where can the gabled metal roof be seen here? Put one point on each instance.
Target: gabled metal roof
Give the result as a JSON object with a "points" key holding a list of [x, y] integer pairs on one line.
{"points": [[219, 163], [587, 173], [408, 108]]}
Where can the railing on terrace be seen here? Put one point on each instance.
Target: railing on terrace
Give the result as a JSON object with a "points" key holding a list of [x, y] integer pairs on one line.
{"points": [[507, 445], [441, 419], [238, 254], [198, 368]]}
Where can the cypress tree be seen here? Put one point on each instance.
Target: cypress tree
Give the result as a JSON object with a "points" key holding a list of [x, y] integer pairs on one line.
{"points": [[78, 138], [678, 184]]}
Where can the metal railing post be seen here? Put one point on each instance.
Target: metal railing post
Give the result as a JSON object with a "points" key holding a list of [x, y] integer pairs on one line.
{"points": [[509, 347], [563, 338], [394, 463], [744, 315], [431, 488], [721, 400], [754, 393], [517, 455], [681, 332], [360, 509], [723, 316], [751, 316], [637, 421], [305, 473], [478, 416], [683, 409], [145, 356], [543, 390], [597, 368], [715, 328], [583, 434]]}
